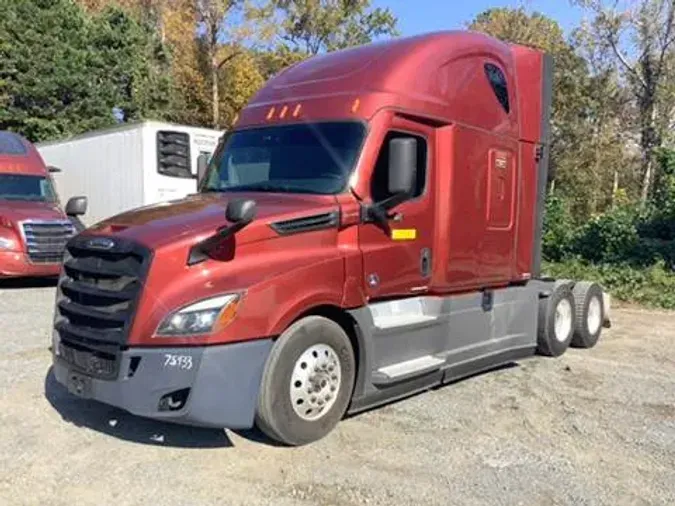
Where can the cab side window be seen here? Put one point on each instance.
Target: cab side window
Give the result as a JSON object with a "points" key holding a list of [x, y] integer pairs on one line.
{"points": [[497, 81], [379, 182]]}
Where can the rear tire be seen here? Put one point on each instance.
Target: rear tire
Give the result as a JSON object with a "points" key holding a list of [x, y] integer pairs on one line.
{"points": [[589, 314], [556, 321], [307, 383]]}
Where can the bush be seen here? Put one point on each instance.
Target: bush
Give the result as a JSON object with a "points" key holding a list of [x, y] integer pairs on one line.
{"points": [[611, 237], [653, 286], [558, 229]]}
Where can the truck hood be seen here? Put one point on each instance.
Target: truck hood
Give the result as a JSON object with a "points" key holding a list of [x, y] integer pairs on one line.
{"points": [[202, 214], [19, 210]]}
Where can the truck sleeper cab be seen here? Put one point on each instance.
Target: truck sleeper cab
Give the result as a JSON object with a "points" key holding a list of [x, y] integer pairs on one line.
{"points": [[34, 229], [371, 228]]}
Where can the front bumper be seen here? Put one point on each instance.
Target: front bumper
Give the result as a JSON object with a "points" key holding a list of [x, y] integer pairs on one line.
{"points": [[15, 264], [221, 383]]}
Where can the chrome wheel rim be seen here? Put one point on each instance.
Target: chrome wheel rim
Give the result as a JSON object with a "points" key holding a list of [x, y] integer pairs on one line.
{"points": [[315, 382], [563, 320], [594, 317]]}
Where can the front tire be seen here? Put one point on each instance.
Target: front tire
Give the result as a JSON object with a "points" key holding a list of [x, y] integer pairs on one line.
{"points": [[307, 383]]}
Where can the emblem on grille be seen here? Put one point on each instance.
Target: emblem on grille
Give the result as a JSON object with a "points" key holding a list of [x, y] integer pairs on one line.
{"points": [[101, 243]]}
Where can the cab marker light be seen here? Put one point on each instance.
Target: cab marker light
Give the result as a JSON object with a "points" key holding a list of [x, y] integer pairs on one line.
{"points": [[296, 111], [270, 113], [283, 112], [355, 105]]}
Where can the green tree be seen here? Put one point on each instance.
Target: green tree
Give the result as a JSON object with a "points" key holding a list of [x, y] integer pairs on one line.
{"points": [[52, 81], [64, 71], [642, 40], [136, 64], [312, 26]]}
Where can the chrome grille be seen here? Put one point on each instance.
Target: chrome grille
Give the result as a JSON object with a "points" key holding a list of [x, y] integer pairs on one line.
{"points": [[46, 240]]}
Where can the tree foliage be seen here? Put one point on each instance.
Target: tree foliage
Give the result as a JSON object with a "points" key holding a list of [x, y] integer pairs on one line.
{"points": [[641, 38], [63, 72], [312, 26]]}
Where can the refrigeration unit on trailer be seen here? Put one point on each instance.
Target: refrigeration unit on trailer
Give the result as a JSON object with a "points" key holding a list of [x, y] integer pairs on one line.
{"points": [[131, 165], [370, 228]]}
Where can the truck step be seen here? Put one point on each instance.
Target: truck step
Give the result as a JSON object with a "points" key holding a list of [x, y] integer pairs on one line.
{"points": [[407, 369]]}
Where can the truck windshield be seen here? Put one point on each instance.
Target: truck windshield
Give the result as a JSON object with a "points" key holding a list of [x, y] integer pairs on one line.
{"points": [[305, 158], [20, 187]]}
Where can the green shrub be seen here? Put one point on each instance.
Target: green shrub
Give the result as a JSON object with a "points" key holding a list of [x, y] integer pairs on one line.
{"points": [[652, 286], [558, 229], [611, 237]]}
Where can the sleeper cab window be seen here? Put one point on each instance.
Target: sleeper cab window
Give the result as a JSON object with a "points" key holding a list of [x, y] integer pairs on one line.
{"points": [[379, 182], [497, 81]]}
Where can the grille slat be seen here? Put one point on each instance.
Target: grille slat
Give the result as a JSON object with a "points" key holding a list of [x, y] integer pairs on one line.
{"points": [[97, 296], [46, 240]]}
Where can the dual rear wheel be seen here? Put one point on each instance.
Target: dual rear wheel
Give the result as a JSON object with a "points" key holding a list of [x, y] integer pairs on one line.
{"points": [[573, 314]]}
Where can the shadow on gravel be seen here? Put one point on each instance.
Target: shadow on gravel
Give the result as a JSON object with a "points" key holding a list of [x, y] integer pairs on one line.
{"points": [[122, 425], [22, 283]]}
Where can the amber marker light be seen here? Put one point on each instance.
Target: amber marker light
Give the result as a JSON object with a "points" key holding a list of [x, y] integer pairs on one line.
{"points": [[270, 113], [283, 112], [296, 111], [355, 105], [227, 314]]}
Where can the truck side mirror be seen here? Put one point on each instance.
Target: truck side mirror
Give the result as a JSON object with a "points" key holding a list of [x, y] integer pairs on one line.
{"points": [[402, 166], [241, 212], [202, 165], [52, 169], [76, 206]]}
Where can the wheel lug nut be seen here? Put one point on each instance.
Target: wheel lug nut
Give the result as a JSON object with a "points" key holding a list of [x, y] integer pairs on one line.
{"points": [[332, 388]]}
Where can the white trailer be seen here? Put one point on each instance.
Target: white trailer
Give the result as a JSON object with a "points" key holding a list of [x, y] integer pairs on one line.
{"points": [[130, 165]]}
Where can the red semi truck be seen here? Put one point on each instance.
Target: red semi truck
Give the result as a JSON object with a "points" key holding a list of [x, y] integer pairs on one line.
{"points": [[33, 228], [370, 228]]}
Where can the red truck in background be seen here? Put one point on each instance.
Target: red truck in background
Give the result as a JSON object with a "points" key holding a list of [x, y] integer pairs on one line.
{"points": [[370, 228], [33, 228]]}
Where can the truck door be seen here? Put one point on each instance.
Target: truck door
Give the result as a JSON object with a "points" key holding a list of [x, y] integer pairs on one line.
{"points": [[397, 262]]}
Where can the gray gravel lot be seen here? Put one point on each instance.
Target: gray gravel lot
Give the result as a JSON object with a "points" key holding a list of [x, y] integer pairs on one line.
{"points": [[593, 427]]}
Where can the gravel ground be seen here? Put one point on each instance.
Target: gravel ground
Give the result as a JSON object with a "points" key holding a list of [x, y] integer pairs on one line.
{"points": [[592, 427]]}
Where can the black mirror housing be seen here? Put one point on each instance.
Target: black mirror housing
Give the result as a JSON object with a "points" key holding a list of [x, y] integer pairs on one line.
{"points": [[53, 170], [241, 211], [402, 166], [76, 206]]}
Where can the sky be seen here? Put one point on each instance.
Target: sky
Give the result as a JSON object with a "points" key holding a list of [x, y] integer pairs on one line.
{"points": [[419, 16]]}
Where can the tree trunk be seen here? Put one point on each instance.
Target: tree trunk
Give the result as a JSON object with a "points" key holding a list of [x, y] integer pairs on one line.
{"points": [[215, 95], [615, 187]]}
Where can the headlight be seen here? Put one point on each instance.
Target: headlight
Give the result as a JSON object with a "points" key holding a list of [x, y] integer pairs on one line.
{"points": [[202, 317], [6, 243]]}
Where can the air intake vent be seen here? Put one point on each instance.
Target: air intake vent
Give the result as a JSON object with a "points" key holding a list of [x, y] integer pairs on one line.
{"points": [[307, 223]]}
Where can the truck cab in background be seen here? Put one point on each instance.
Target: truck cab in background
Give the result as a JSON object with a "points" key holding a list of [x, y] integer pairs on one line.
{"points": [[370, 228], [34, 229]]}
